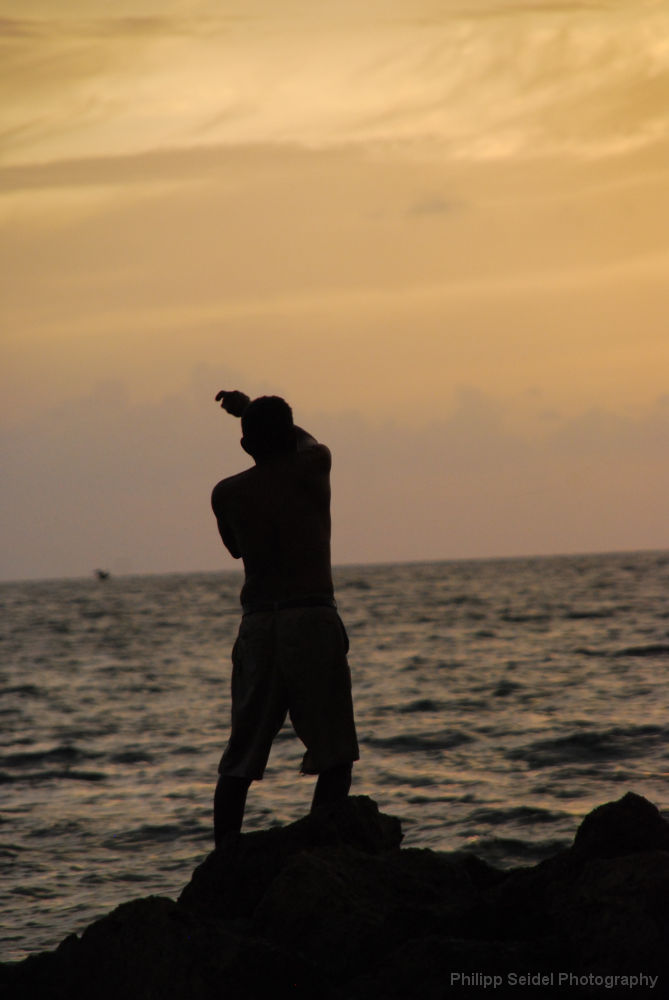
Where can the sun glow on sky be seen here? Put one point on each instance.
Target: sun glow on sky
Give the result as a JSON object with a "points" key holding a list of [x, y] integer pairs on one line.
{"points": [[440, 230]]}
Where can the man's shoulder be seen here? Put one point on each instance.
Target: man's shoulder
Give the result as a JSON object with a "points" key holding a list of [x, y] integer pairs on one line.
{"points": [[230, 487], [317, 456]]}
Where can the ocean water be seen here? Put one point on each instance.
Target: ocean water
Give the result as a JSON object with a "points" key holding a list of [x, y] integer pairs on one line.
{"points": [[497, 702]]}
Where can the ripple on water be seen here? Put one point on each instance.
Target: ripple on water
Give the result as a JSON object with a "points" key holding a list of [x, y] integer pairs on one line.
{"points": [[591, 745], [408, 743]]}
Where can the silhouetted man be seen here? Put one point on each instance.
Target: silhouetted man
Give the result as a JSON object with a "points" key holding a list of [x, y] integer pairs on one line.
{"points": [[290, 653]]}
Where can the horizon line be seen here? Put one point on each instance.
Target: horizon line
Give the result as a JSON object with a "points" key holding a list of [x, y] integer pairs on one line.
{"points": [[346, 565]]}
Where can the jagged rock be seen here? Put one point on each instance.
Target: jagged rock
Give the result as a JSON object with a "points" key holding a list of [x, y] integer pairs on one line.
{"points": [[628, 826], [153, 949], [332, 907], [233, 879], [345, 910], [423, 966], [614, 915]]}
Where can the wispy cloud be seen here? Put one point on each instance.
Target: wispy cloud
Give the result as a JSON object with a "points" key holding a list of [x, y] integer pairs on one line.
{"points": [[434, 204], [116, 170], [487, 81]]}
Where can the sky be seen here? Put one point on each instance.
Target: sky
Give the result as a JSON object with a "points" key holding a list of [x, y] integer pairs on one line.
{"points": [[440, 229]]}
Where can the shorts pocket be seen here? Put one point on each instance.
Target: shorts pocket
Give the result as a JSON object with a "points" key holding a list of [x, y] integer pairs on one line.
{"points": [[347, 644]]}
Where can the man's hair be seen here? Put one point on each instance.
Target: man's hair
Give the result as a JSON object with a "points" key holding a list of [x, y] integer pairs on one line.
{"points": [[268, 428]]}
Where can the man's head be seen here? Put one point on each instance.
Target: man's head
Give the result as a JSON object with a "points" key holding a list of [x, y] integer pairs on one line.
{"points": [[267, 425]]}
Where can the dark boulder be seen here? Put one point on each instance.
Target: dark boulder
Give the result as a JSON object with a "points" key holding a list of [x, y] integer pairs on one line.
{"points": [[233, 879], [332, 907], [613, 916], [629, 826], [152, 949]]}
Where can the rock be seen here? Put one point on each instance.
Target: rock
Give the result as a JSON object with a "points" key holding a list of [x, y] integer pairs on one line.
{"points": [[332, 907], [346, 910], [152, 949], [628, 826], [613, 917], [233, 879]]}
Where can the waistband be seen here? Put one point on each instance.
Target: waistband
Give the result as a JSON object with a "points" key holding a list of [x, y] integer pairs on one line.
{"points": [[313, 601]]}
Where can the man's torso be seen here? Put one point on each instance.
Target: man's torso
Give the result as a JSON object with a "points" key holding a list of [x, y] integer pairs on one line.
{"points": [[276, 516]]}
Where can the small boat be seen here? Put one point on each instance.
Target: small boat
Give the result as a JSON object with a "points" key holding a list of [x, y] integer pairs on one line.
{"points": [[102, 574]]}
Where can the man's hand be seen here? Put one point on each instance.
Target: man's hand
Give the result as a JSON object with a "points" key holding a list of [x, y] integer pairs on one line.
{"points": [[233, 402]]}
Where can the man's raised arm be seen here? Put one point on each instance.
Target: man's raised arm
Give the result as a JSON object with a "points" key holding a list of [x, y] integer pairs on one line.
{"points": [[235, 402]]}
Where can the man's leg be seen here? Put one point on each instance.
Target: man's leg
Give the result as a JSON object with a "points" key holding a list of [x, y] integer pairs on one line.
{"points": [[229, 802], [332, 785]]}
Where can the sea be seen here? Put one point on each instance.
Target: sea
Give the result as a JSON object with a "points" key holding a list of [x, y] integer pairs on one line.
{"points": [[497, 702]]}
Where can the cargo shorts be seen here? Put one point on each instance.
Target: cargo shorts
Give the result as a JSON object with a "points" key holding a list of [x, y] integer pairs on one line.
{"points": [[291, 661]]}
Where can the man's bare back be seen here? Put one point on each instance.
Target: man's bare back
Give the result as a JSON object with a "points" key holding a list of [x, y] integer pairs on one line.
{"points": [[276, 517]]}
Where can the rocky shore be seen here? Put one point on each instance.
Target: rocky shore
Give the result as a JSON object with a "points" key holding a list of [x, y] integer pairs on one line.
{"points": [[332, 907]]}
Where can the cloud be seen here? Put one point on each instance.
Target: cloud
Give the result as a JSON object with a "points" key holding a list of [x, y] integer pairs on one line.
{"points": [[434, 204], [474, 485], [103, 479], [488, 82], [115, 170], [111, 482], [20, 27]]}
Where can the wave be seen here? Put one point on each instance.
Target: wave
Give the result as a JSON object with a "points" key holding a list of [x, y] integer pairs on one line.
{"points": [[510, 851], [132, 757], [359, 584], [37, 777], [522, 815], [61, 754], [27, 690], [505, 688], [538, 617], [460, 599], [59, 828], [610, 744], [421, 705], [150, 833], [413, 743], [577, 615], [653, 649], [32, 891]]}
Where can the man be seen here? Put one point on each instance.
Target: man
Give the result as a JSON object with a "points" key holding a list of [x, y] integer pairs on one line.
{"points": [[290, 653]]}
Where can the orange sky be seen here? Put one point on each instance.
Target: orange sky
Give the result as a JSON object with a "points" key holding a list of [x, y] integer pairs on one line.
{"points": [[441, 235]]}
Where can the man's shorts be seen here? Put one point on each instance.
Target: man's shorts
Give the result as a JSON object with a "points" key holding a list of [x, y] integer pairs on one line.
{"points": [[290, 661]]}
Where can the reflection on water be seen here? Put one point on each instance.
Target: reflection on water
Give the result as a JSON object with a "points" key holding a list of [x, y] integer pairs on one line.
{"points": [[497, 702]]}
